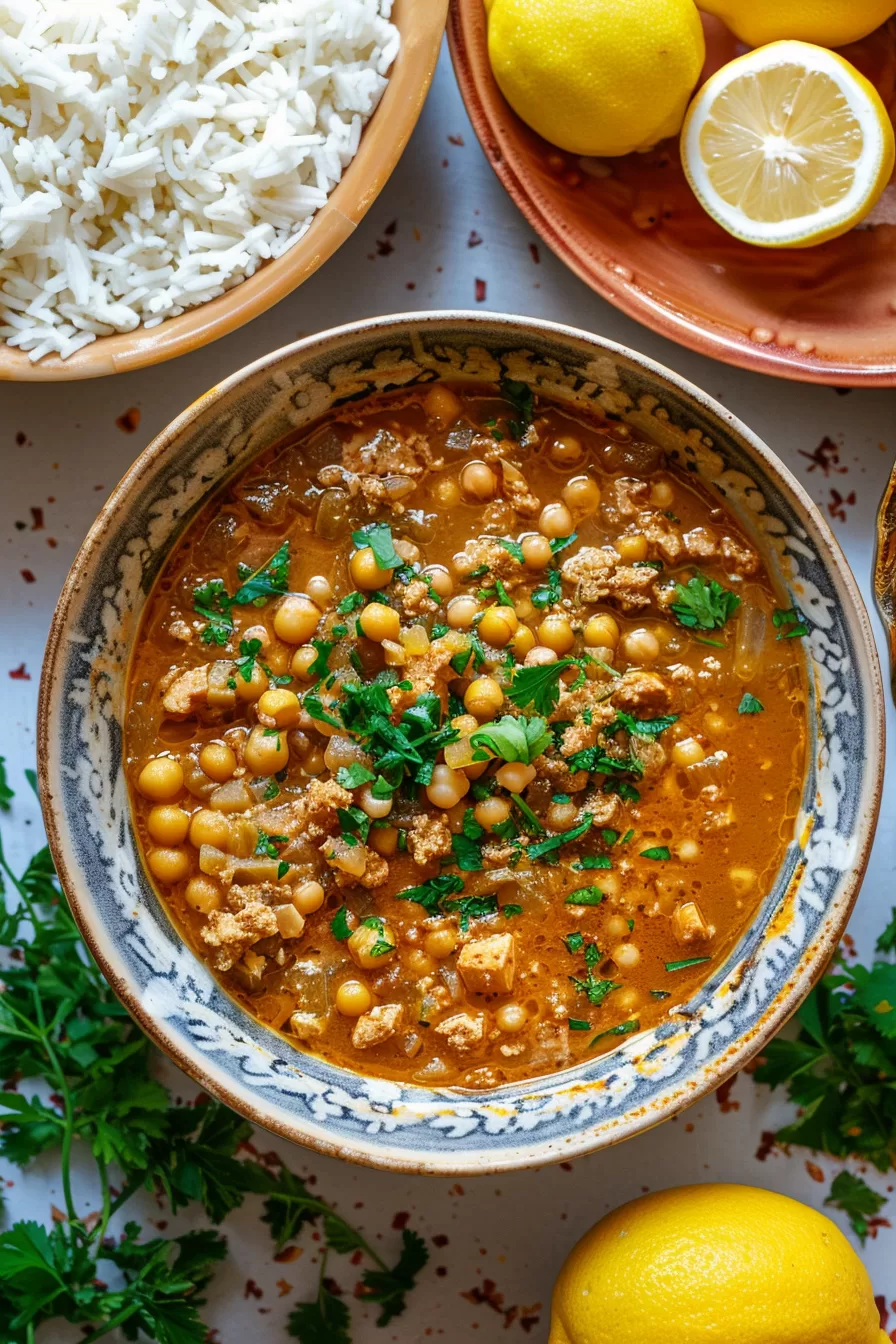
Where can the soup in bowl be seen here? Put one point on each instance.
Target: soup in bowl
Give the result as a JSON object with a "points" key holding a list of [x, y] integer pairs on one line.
{"points": [[490, 729]]}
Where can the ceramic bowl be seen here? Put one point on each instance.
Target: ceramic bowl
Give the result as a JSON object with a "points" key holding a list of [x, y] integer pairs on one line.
{"points": [[632, 229], [173, 996], [421, 25]]}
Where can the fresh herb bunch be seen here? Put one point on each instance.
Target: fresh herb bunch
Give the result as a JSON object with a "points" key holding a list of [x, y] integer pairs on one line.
{"points": [[61, 1024]]}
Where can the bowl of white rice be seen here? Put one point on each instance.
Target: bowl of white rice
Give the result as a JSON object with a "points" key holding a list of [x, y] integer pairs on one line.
{"points": [[169, 169]]}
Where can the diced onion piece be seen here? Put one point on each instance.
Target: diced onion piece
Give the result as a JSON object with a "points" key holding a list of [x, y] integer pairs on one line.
{"points": [[333, 514], [351, 859], [221, 691], [234, 796], [459, 754], [243, 837], [714, 769], [752, 630], [415, 640], [395, 655]]}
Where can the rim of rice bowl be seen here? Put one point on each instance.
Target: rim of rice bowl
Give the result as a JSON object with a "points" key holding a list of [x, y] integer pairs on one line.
{"points": [[155, 153]]}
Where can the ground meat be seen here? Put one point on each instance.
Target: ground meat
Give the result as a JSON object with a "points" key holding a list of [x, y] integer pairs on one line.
{"points": [[310, 817], [605, 809], [742, 559], [551, 1044], [486, 551], [377, 1026], [558, 777], [430, 672], [701, 543], [627, 496], [582, 734], [231, 935], [642, 694], [495, 855], [462, 1031], [416, 599], [388, 454], [591, 695], [600, 576], [187, 694], [180, 630], [650, 753], [519, 496], [429, 838]]}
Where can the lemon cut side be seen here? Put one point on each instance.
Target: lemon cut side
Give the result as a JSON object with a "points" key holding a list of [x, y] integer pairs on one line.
{"points": [[787, 146]]}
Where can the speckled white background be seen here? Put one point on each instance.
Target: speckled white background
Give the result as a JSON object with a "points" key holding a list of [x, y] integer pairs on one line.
{"points": [[442, 223]]}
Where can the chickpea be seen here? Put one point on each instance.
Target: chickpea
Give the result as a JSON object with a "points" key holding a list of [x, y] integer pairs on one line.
{"points": [[688, 752], [266, 751], [282, 706], [536, 551], [662, 495], [555, 632], [296, 618], [461, 611], [616, 927], [448, 493], [440, 403], [366, 573], [498, 626], [409, 552], [688, 851], [161, 779], [742, 879], [511, 1018], [307, 897], [627, 1000], [465, 723], [379, 622], [383, 840], [566, 451], [523, 641], [716, 725], [319, 589], [641, 646], [217, 761], [478, 481], [259, 632], [209, 828], [601, 632], [440, 943], [447, 787], [483, 697], [353, 998], [582, 496], [168, 825], [313, 763], [626, 956], [562, 816], [514, 777], [555, 520], [491, 812], [376, 808], [417, 962], [203, 894], [169, 865], [440, 580], [253, 689], [302, 660], [363, 941], [632, 547], [540, 656]]}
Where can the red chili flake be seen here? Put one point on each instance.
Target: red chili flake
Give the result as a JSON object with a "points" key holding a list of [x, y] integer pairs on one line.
{"points": [[400, 1220], [849, 945], [383, 247], [825, 457], [129, 421], [815, 1172], [875, 1224], [455, 140], [27, 576], [37, 515], [474, 239], [837, 504], [357, 1257], [284, 1287], [440, 1240], [252, 1289], [480, 291], [881, 1303], [723, 1094], [52, 543], [21, 438], [566, 1166], [529, 1322], [487, 1295], [332, 1287], [390, 228], [20, 673], [410, 285], [288, 1254], [444, 163], [458, 1190], [57, 1215], [767, 1145], [534, 253], [689, 1128]]}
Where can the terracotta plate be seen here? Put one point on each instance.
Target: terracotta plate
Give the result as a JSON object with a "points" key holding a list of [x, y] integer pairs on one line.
{"points": [[632, 230]]}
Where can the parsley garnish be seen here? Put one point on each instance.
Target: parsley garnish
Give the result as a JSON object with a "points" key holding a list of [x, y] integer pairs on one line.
{"points": [[887, 940], [790, 624], [514, 739], [513, 547], [684, 965], [540, 686], [596, 760], [594, 988], [625, 790], [320, 667], [578, 1024], [574, 941], [353, 822], [857, 1200], [432, 893], [546, 594], [660, 853], [267, 844], [522, 399], [623, 1029], [750, 705], [511, 911], [559, 544], [703, 604], [354, 775], [351, 602], [212, 603], [585, 896], [593, 861], [339, 925], [271, 579], [382, 945], [467, 853], [271, 790], [641, 727], [553, 842], [471, 907], [378, 536]]}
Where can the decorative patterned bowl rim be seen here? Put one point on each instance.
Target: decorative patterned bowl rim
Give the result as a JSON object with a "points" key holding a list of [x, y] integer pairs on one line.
{"points": [[582, 1137]]}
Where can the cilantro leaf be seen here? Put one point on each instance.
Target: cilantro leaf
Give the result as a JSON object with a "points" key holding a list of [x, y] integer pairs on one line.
{"points": [[326, 1320], [389, 1287], [558, 544], [514, 739], [212, 603], [467, 853], [431, 893], [258, 586], [750, 705], [339, 925], [321, 665], [354, 775], [546, 594], [512, 547], [596, 761], [585, 896], [790, 624], [703, 604], [578, 1024], [623, 1029], [378, 536], [659, 853], [641, 727], [537, 851], [540, 685], [351, 602], [471, 907], [522, 399], [857, 1200], [887, 940], [594, 988], [574, 941]]}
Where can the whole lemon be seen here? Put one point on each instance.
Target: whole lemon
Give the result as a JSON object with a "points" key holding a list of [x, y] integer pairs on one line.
{"points": [[827, 23], [724, 1262], [597, 77]]}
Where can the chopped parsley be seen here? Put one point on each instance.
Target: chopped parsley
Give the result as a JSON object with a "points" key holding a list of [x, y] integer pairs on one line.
{"points": [[577, 1024], [684, 965], [512, 547], [790, 624], [353, 823], [471, 907], [585, 896], [558, 544], [660, 994], [589, 861], [703, 604], [258, 586], [514, 739], [750, 705], [623, 1029], [522, 399], [553, 842], [546, 594], [351, 602], [382, 945], [354, 775], [249, 651], [320, 667], [282, 869], [271, 790], [659, 853], [378, 536], [467, 853], [339, 925], [574, 941], [211, 602], [857, 1200], [641, 727], [596, 760], [594, 988], [540, 685], [626, 791], [267, 844], [432, 893], [510, 911], [528, 815]]}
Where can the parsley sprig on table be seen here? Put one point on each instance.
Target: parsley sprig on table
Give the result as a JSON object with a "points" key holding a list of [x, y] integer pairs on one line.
{"points": [[61, 1026]]}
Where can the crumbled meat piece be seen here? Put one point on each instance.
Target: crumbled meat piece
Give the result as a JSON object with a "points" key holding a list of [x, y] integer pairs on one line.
{"points": [[416, 600], [688, 924], [307, 1026], [310, 817], [519, 1048], [628, 494], [552, 1044], [605, 809], [486, 965], [463, 1031], [388, 454], [187, 694], [431, 671], [376, 869], [642, 694], [650, 753], [518, 494], [180, 630], [741, 558], [709, 671], [591, 695], [581, 734], [600, 576], [429, 838], [701, 543], [662, 536], [377, 1026], [497, 855], [558, 776], [682, 674], [717, 819], [229, 934], [486, 551], [241, 895]]}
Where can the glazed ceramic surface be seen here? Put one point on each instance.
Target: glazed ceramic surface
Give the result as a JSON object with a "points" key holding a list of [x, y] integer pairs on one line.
{"points": [[421, 24], [633, 230], [174, 997]]}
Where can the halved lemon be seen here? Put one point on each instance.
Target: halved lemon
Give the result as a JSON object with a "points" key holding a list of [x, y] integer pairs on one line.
{"points": [[787, 146]]}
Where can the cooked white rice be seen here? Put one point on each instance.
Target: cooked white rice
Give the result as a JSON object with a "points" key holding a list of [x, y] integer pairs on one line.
{"points": [[154, 152]]}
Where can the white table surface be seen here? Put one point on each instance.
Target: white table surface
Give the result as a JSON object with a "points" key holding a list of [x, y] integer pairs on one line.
{"points": [[514, 1230]]}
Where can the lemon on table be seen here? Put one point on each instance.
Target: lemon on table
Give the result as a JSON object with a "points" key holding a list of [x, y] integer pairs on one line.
{"points": [[714, 1262], [597, 77], [830, 23], [787, 146]]}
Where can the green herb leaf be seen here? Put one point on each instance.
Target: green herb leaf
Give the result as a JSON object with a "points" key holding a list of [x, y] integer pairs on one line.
{"points": [[641, 727], [688, 962], [594, 988], [467, 853], [512, 547], [267, 844], [471, 907], [522, 399], [326, 1320], [514, 739], [539, 686], [511, 911], [321, 665], [339, 925], [578, 1024], [750, 705], [558, 544], [354, 775], [389, 1287], [351, 602], [537, 851], [212, 603], [887, 940], [258, 586], [790, 624], [431, 894], [589, 861], [659, 853], [574, 941], [704, 604], [857, 1200], [546, 594], [623, 1029], [378, 536], [585, 896]]}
